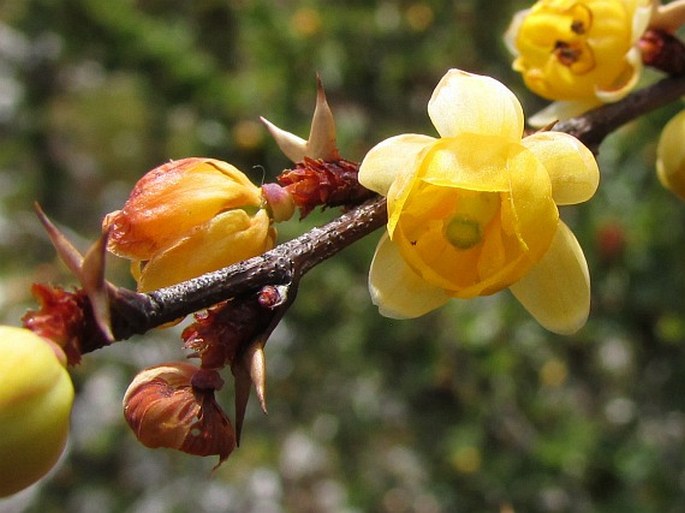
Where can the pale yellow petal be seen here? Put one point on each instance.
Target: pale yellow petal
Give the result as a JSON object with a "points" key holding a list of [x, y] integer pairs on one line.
{"points": [[557, 290], [389, 159], [571, 166], [398, 291], [560, 111], [467, 103], [513, 30]]}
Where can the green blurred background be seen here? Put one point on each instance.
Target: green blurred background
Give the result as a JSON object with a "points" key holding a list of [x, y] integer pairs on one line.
{"points": [[473, 408]]}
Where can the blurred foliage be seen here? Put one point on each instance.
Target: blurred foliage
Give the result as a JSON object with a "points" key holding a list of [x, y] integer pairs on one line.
{"points": [[472, 408]]}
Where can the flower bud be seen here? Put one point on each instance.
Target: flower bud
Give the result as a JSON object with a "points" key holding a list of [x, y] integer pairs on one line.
{"points": [[670, 156], [36, 395], [186, 218], [172, 405]]}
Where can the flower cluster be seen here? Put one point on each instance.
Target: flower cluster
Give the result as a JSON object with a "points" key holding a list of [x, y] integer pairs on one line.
{"points": [[580, 54]]}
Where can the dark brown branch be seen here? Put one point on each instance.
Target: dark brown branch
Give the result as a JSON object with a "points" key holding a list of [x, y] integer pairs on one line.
{"points": [[593, 126], [134, 313]]}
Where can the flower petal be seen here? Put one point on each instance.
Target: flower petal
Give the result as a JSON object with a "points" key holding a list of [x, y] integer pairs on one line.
{"points": [[626, 81], [557, 290], [229, 237], [398, 291], [561, 110], [571, 166], [464, 102], [390, 158]]}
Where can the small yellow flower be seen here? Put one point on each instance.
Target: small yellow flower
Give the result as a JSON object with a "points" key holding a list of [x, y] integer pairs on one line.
{"points": [[36, 395], [475, 211], [580, 53], [189, 217], [670, 156]]}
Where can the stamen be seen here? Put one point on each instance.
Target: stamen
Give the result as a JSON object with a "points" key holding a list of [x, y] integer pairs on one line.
{"points": [[463, 232]]}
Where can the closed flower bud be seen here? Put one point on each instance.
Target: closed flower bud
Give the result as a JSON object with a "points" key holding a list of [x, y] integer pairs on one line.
{"points": [[172, 405], [189, 217], [670, 156], [36, 395]]}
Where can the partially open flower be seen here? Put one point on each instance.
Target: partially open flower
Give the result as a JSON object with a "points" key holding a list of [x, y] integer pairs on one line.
{"points": [[475, 211], [172, 405], [579, 53], [670, 156], [189, 217], [36, 396]]}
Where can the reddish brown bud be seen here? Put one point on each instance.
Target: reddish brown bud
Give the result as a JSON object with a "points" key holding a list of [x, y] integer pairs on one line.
{"points": [[172, 405], [327, 183], [663, 51], [60, 319]]}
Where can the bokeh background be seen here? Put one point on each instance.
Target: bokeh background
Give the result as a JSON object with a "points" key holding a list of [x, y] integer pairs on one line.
{"points": [[473, 408]]}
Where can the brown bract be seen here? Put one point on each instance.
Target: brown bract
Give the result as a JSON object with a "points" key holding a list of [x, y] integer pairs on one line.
{"points": [[60, 319], [314, 182], [173, 405]]}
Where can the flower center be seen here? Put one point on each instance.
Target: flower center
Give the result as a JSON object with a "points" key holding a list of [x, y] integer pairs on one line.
{"points": [[463, 232], [473, 211]]}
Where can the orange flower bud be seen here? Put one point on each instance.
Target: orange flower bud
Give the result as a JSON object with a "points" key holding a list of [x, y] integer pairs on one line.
{"points": [[172, 405], [188, 217]]}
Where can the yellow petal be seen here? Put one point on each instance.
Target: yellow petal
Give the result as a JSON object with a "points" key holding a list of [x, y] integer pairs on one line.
{"points": [[571, 166], [389, 159], [398, 291], [560, 111], [230, 237], [626, 81], [467, 103], [557, 290]]}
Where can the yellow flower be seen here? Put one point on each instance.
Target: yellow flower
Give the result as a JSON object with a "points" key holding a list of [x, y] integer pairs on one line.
{"points": [[36, 395], [189, 217], [475, 211], [670, 156], [580, 53]]}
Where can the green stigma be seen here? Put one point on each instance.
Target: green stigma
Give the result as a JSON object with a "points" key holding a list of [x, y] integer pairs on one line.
{"points": [[463, 232]]}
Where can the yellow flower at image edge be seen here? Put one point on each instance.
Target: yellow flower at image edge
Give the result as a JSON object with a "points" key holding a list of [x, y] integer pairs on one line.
{"points": [[475, 211], [579, 53], [670, 156], [36, 396], [189, 217]]}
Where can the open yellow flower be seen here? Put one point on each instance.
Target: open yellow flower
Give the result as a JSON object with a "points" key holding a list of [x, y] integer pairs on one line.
{"points": [[189, 217], [670, 156], [579, 53], [475, 211]]}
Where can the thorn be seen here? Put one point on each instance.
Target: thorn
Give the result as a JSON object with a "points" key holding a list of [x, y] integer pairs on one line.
{"points": [[93, 281], [292, 146], [90, 271], [256, 363], [321, 143], [67, 253]]}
